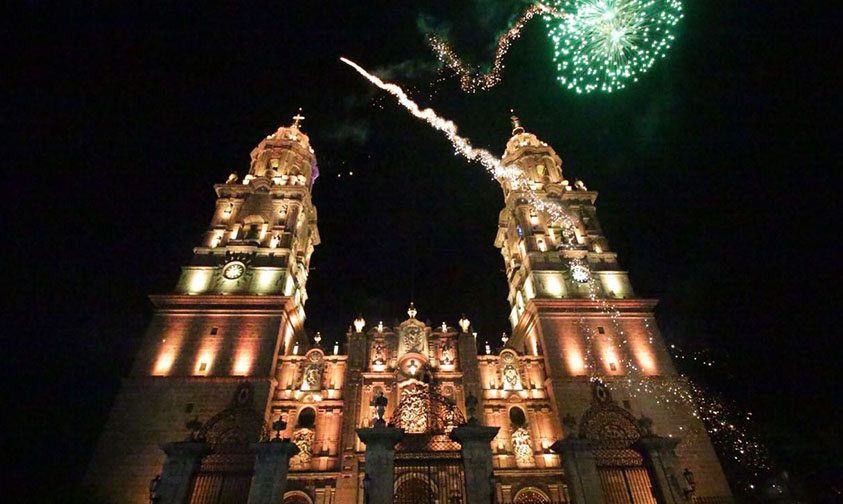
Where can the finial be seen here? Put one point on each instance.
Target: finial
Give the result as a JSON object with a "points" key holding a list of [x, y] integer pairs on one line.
{"points": [[465, 324], [359, 323], [297, 119], [318, 337], [504, 338], [517, 129], [412, 311]]}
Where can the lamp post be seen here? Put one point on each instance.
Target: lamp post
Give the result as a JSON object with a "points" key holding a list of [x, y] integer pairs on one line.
{"points": [[692, 483], [367, 481], [153, 489]]}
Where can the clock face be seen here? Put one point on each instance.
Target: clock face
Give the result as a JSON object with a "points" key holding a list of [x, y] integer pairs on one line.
{"points": [[233, 270], [580, 273]]}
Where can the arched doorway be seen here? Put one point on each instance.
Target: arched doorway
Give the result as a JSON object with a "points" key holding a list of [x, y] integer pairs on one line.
{"points": [[297, 497], [414, 488]]}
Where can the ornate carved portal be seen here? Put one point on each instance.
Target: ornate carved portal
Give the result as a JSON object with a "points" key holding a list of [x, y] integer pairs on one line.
{"points": [[422, 410], [623, 477]]}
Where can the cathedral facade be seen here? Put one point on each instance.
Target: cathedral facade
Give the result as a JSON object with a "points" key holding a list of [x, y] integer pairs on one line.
{"points": [[582, 391]]}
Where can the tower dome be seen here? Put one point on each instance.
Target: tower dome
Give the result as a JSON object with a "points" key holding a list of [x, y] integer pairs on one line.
{"points": [[285, 157], [535, 158]]}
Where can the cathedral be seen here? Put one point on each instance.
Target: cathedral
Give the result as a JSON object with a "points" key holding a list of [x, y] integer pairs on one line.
{"points": [[230, 401]]}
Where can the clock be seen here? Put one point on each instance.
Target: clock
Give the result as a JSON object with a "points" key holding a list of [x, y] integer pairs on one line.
{"points": [[233, 270], [580, 273]]}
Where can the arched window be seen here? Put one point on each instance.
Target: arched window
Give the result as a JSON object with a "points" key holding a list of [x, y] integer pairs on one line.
{"points": [[517, 417], [307, 418]]}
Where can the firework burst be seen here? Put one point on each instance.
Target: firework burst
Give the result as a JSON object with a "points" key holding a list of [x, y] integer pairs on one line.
{"points": [[602, 45]]}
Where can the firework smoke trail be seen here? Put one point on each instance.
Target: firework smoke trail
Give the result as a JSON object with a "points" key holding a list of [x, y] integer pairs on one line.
{"points": [[468, 80]]}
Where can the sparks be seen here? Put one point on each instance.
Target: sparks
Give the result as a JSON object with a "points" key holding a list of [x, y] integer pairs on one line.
{"points": [[473, 79]]}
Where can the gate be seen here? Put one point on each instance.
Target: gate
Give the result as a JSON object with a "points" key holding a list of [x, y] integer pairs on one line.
{"points": [[623, 477], [225, 476], [429, 478]]}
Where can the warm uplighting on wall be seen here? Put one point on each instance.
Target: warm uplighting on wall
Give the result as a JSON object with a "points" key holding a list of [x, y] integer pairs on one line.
{"points": [[646, 361], [164, 362], [529, 289], [576, 364], [203, 365], [199, 279], [289, 285], [296, 348], [243, 362], [266, 279], [216, 240], [263, 232], [613, 284], [541, 244], [610, 359], [553, 285], [233, 235]]}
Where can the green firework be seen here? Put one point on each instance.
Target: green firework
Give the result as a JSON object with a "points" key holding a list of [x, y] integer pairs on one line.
{"points": [[602, 45]]}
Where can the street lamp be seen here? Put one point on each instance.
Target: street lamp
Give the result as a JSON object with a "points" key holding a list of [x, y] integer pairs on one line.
{"points": [[367, 482], [692, 483]]}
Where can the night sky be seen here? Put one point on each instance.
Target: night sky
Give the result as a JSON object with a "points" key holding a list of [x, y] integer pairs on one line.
{"points": [[718, 181]]}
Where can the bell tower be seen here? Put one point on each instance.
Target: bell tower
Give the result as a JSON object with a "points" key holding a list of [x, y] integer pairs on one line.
{"points": [[236, 305], [572, 304]]}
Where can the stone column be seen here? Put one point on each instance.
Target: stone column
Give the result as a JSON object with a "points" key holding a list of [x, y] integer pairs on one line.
{"points": [[580, 470], [271, 465], [660, 458], [475, 440], [183, 458], [380, 444]]}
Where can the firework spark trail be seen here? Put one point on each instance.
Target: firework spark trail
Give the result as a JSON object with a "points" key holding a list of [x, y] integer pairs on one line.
{"points": [[516, 177], [471, 79], [461, 144]]}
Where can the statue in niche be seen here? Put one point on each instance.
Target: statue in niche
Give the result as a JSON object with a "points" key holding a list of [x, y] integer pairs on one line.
{"points": [[379, 353], [380, 403], [303, 438], [447, 354], [522, 446], [510, 374], [312, 379]]}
